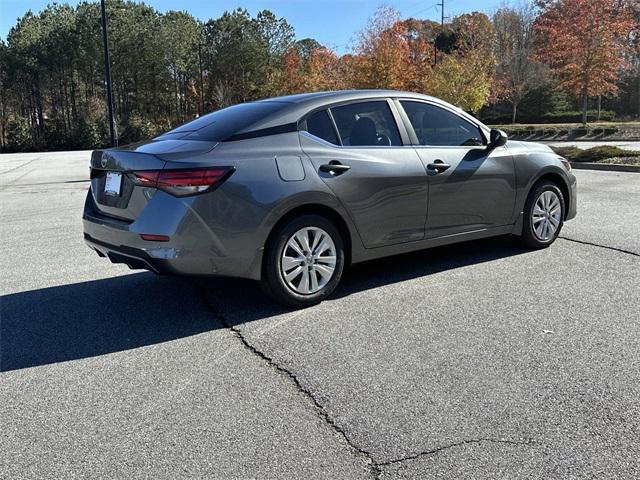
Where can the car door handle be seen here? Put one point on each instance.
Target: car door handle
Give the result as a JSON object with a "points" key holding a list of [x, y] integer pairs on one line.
{"points": [[438, 165], [334, 168]]}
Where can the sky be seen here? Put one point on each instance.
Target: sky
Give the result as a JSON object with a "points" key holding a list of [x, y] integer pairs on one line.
{"points": [[333, 23]]}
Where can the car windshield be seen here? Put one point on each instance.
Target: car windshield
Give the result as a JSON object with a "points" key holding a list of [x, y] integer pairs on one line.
{"points": [[221, 124]]}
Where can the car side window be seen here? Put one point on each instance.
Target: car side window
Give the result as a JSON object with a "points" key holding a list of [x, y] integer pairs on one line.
{"points": [[320, 125], [366, 124], [439, 127]]}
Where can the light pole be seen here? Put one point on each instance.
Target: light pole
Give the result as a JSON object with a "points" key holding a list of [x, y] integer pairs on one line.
{"points": [[201, 79], [107, 73], [435, 47]]}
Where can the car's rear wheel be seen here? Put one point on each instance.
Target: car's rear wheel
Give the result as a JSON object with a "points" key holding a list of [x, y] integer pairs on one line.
{"points": [[304, 260], [543, 215]]}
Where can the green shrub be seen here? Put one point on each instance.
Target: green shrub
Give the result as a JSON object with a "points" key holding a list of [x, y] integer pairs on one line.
{"points": [[578, 132], [136, 129], [85, 136], [602, 152], [19, 138], [594, 154], [576, 117], [570, 153], [532, 116]]}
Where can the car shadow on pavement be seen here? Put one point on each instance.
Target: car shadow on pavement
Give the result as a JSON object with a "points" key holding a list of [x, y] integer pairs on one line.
{"points": [[92, 318], [241, 301], [400, 268], [87, 319]]}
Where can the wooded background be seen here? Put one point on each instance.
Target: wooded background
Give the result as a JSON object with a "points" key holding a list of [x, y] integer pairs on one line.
{"points": [[552, 61]]}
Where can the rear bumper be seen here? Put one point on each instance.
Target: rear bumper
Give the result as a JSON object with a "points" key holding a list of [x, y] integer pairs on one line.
{"points": [[193, 248], [134, 258]]}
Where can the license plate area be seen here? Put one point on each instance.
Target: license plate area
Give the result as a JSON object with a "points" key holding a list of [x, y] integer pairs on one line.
{"points": [[113, 184]]}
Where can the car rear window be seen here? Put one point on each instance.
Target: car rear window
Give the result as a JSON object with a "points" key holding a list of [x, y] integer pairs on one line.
{"points": [[320, 125], [222, 124]]}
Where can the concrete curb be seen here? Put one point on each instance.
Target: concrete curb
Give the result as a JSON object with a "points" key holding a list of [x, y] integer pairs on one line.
{"points": [[611, 167]]}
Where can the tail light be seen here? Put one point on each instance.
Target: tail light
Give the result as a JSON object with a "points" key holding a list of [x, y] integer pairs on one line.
{"points": [[183, 182]]}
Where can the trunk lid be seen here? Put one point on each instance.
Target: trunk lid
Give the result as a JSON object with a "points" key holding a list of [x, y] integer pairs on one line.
{"points": [[113, 186]]}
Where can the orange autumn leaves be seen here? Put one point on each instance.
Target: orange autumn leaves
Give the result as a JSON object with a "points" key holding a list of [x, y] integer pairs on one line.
{"points": [[582, 41], [399, 54]]}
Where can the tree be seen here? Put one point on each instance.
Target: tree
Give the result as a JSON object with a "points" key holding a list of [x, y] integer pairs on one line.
{"points": [[306, 46], [517, 72], [245, 53], [325, 71], [466, 63], [462, 81], [294, 71], [181, 35], [583, 42], [633, 75], [382, 54], [420, 36], [474, 33]]}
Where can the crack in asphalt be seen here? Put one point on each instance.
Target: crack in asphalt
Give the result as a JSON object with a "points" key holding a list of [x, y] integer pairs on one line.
{"points": [[322, 413], [375, 466], [615, 249], [20, 166], [414, 456]]}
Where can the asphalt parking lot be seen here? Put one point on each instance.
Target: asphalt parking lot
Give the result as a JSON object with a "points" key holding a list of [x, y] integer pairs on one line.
{"points": [[480, 360]]}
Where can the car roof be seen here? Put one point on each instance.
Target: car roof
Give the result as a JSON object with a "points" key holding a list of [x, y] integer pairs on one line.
{"points": [[297, 105], [326, 97]]}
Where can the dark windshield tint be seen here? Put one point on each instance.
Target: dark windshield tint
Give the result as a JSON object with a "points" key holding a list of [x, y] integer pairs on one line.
{"points": [[221, 124]]}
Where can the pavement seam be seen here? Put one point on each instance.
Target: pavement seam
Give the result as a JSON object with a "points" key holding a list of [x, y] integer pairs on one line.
{"points": [[320, 410], [415, 456], [375, 466], [615, 249]]}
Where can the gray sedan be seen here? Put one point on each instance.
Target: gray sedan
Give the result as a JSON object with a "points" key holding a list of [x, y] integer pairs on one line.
{"points": [[291, 190]]}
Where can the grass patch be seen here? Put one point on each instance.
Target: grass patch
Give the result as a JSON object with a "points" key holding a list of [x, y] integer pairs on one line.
{"points": [[602, 154]]}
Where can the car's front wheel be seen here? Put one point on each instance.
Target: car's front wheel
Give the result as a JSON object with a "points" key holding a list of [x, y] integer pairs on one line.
{"points": [[304, 260], [543, 215]]}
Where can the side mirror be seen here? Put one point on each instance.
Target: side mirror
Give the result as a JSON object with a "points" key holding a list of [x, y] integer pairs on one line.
{"points": [[497, 138]]}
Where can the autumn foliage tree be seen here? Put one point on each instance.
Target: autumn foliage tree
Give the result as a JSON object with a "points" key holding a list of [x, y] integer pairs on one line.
{"points": [[326, 71], [168, 67], [382, 54], [583, 42], [462, 80], [464, 72], [517, 72], [420, 35]]}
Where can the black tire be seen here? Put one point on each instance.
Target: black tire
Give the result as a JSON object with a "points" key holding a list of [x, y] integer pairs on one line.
{"points": [[273, 282], [529, 237]]}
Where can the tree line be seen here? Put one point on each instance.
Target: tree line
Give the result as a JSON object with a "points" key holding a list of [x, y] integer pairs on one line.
{"points": [[554, 60]]}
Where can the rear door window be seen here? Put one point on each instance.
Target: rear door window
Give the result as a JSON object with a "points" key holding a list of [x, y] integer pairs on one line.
{"points": [[366, 124], [439, 127], [320, 125]]}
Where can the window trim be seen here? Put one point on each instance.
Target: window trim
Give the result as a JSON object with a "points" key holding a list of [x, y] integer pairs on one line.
{"points": [[412, 133], [335, 127], [402, 132]]}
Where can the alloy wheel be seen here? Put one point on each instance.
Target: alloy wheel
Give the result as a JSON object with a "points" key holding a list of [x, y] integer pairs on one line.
{"points": [[546, 216], [308, 260]]}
